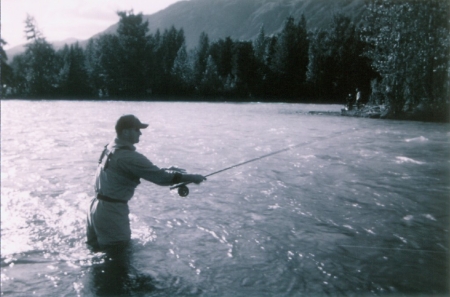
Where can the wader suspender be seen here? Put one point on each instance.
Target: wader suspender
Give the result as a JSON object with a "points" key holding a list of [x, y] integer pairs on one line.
{"points": [[105, 157], [108, 154], [104, 161]]}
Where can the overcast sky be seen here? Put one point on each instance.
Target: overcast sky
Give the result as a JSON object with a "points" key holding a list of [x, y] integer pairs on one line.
{"points": [[62, 19]]}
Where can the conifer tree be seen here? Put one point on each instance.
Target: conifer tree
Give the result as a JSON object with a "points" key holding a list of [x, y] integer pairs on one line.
{"points": [[210, 84], [40, 63], [73, 75], [32, 31], [245, 69], [337, 65], [201, 57], [291, 57], [259, 45], [133, 44], [222, 54], [182, 73], [109, 67], [6, 74], [172, 41]]}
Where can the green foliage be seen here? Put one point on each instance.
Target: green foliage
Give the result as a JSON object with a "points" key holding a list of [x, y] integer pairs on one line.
{"points": [[410, 49], [6, 74], [291, 57], [35, 71], [166, 52], [245, 69], [92, 64], [201, 57], [222, 54], [108, 56], [320, 64], [131, 50], [73, 74], [260, 44], [31, 29], [337, 64], [210, 83], [41, 69], [182, 73], [19, 85]]}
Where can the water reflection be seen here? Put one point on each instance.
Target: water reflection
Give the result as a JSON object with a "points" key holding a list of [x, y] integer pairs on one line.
{"points": [[114, 274], [360, 214]]}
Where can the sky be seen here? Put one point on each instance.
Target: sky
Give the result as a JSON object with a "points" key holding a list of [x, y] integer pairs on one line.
{"points": [[61, 19]]}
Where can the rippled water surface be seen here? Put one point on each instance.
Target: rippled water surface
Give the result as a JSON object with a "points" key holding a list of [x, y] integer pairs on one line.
{"points": [[360, 208]]}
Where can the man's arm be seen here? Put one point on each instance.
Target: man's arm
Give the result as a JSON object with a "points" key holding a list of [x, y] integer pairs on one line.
{"points": [[140, 166]]}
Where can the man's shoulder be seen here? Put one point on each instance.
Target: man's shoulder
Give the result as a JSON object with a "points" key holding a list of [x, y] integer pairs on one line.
{"points": [[127, 152], [130, 155]]}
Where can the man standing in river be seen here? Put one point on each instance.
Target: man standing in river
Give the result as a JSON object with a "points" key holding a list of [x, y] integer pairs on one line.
{"points": [[118, 174]]}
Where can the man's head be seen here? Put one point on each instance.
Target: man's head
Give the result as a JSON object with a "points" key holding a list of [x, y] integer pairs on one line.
{"points": [[128, 128]]}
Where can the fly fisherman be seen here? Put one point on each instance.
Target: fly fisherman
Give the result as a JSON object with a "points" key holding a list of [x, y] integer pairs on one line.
{"points": [[119, 171]]}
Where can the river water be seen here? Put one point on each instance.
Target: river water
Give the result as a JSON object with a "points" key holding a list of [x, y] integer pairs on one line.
{"points": [[359, 208]]}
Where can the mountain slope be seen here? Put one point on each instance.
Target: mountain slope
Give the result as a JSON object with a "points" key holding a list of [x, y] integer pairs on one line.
{"points": [[240, 19], [56, 45]]}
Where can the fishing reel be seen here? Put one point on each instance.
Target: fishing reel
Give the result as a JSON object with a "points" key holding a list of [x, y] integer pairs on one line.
{"points": [[183, 190]]}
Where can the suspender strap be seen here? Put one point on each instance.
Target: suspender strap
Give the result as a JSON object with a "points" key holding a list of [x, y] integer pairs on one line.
{"points": [[107, 154], [107, 199]]}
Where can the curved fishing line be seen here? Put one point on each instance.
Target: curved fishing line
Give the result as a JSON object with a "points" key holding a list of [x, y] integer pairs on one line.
{"points": [[398, 249], [264, 156], [253, 160]]}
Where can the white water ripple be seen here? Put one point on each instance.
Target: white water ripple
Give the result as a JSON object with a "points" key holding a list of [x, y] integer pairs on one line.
{"points": [[401, 160], [417, 139]]}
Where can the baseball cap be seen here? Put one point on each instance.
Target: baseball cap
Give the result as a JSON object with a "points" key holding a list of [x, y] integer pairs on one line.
{"points": [[129, 121]]}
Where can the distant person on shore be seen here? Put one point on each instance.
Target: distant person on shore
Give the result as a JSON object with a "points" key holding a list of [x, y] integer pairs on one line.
{"points": [[349, 102], [358, 98], [118, 174]]}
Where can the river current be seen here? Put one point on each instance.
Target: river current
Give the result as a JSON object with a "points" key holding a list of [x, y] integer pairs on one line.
{"points": [[359, 208]]}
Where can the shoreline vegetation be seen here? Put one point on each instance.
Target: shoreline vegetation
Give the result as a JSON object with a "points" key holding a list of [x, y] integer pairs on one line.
{"points": [[393, 64], [366, 111], [381, 112]]}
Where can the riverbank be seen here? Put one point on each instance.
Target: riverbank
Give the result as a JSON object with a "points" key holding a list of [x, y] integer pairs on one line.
{"points": [[441, 115], [437, 115]]}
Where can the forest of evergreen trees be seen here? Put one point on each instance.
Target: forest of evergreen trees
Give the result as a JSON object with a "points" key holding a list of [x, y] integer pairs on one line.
{"points": [[398, 55]]}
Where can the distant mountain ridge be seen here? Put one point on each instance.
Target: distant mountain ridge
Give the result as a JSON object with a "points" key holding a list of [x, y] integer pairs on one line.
{"points": [[238, 19], [56, 44], [242, 19]]}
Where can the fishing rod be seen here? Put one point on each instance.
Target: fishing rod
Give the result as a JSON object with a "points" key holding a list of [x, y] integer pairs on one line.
{"points": [[183, 190]]}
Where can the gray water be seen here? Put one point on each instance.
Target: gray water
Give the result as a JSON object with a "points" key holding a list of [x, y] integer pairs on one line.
{"points": [[360, 208]]}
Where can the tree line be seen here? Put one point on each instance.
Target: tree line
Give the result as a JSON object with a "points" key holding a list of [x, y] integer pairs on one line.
{"points": [[397, 55]]}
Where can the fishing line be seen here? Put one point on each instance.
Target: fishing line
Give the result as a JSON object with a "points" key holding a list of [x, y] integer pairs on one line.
{"points": [[398, 249], [183, 190]]}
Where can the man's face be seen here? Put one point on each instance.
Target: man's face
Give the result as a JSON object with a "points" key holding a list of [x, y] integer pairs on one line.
{"points": [[132, 135]]}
